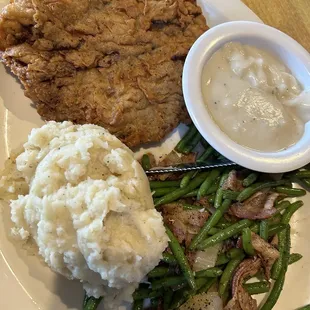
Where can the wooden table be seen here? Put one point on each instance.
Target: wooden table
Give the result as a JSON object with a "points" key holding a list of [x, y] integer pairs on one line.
{"points": [[290, 16]]}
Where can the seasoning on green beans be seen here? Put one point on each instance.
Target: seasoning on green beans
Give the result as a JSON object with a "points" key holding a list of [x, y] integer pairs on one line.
{"points": [[291, 192], [250, 179], [211, 222], [264, 230], [257, 287], [227, 274], [208, 183], [247, 241], [180, 192], [279, 283], [209, 273], [224, 234], [181, 258]]}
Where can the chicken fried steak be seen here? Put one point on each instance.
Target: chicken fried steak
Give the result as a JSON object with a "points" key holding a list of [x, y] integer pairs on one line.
{"points": [[114, 63]]}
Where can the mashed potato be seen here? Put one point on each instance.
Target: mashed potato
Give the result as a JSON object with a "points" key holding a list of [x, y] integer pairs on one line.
{"points": [[89, 208]]}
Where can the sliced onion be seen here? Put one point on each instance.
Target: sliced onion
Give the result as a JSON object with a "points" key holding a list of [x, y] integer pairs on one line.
{"points": [[209, 301], [206, 258]]}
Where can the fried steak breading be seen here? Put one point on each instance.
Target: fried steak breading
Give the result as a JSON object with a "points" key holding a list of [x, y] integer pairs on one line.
{"points": [[114, 63]]}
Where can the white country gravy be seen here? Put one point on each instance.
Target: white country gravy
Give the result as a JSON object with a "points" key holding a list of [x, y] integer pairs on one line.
{"points": [[253, 97]]}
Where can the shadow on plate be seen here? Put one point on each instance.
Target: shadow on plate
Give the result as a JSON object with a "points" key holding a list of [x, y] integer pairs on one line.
{"points": [[12, 93]]}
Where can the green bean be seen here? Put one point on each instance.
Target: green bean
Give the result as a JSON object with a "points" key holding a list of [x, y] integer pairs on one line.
{"points": [[159, 192], [181, 258], [211, 198], [275, 229], [251, 190], [247, 241], [223, 225], [146, 163], [144, 293], [169, 259], [211, 222], [200, 282], [291, 192], [187, 206], [178, 299], [167, 299], [164, 184], [187, 137], [159, 272], [275, 219], [264, 230], [257, 287], [224, 234], [222, 259], [228, 194], [219, 194], [278, 285], [207, 286], [227, 274], [302, 174], [209, 273], [154, 303], [208, 183], [294, 258], [138, 305], [205, 155], [304, 307], [91, 303], [255, 228], [235, 253], [168, 282], [141, 293], [191, 194], [204, 143], [250, 179], [214, 187], [178, 193], [290, 211], [187, 178], [282, 205], [213, 231], [189, 147]]}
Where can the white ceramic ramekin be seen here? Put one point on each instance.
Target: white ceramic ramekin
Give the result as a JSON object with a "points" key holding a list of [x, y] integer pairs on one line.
{"points": [[293, 55]]}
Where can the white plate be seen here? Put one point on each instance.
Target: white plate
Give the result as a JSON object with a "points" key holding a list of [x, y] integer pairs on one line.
{"points": [[25, 283]]}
